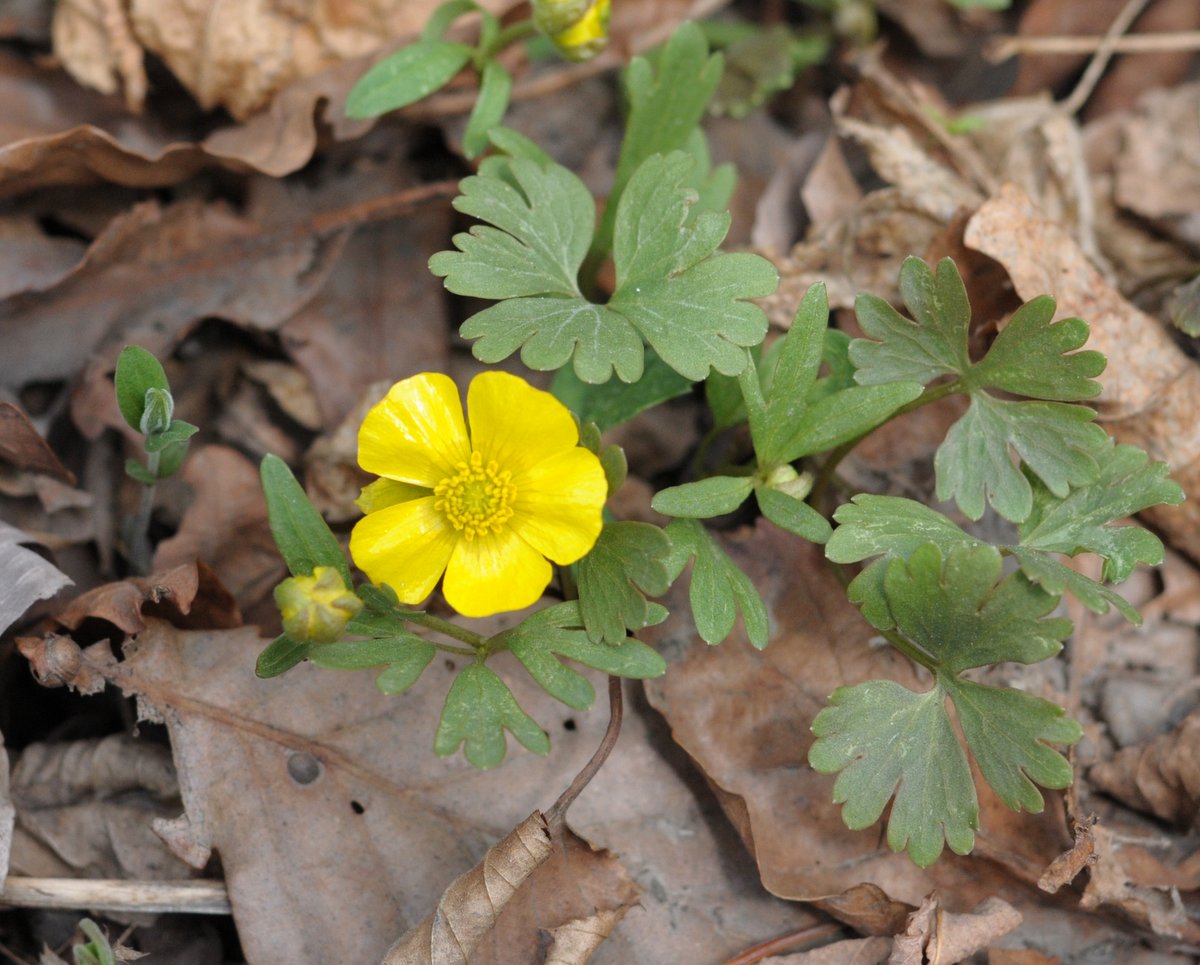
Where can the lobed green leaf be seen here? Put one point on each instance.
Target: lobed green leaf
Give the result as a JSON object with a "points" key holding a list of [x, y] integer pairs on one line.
{"points": [[479, 708], [627, 564]]}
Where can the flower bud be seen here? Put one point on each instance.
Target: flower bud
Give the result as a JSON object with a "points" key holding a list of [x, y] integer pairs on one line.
{"points": [[578, 28], [785, 479], [316, 608], [157, 412]]}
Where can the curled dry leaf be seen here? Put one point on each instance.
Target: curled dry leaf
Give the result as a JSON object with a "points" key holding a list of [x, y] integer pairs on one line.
{"points": [[576, 941], [93, 41], [1151, 388], [30, 259], [1067, 866], [1159, 777], [56, 660], [25, 577], [469, 907], [22, 446], [188, 595]]}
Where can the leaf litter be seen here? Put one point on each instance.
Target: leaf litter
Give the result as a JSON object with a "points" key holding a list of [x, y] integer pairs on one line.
{"points": [[330, 822]]}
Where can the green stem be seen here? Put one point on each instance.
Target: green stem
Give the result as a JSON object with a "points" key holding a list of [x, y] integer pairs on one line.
{"points": [[825, 475], [139, 528], [909, 649], [513, 33], [446, 628]]}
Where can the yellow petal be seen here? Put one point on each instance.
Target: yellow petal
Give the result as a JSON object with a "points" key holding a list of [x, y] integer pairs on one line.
{"points": [[496, 572], [515, 424], [405, 546], [416, 434], [558, 504], [387, 492]]}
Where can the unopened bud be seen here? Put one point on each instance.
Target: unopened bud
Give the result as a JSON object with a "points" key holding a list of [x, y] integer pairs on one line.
{"points": [[578, 28], [316, 608], [157, 412]]}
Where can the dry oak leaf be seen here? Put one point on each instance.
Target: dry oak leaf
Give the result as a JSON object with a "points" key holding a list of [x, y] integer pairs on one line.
{"points": [[25, 577], [1158, 168], [744, 717], [1151, 394], [23, 446]]}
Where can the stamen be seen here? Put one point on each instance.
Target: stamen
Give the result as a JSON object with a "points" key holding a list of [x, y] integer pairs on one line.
{"points": [[477, 498]]}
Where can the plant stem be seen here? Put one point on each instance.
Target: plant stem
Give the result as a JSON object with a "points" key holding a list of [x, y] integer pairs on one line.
{"points": [[139, 527], [513, 33], [557, 812], [446, 628], [827, 468]]}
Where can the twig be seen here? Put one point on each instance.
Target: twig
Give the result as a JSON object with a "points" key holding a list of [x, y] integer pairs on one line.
{"points": [[198, 897], [558, 811], [781, 943], [1104, 53], [1005, 48]]}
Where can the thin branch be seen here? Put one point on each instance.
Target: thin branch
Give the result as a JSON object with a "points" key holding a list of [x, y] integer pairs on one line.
{"points": [[782, 943], [195, 897], [557, 812], [1104, 53], [1005, 48]]}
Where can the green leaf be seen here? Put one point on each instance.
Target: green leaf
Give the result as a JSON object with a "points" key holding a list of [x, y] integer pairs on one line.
{"points": [[135, 470], [540, 230], [178, 431], [724, 397], [171, 458], [1080, 521], [137, 371], [887, 740], [399, 676], [1033, 356], [364, 654], [666, 103], [408, 75], [302, 535], [1052, 438], [1008, 732], [714, 496], [792, 514], [673, 292], [1029, 356], [479, 708], [955, 613], [627, 564], [719, 589], [844, 415], [442, 19], [495, 89], [933, 343], [558, 631], [891, 527], [279, 656], [612, 403], [1054, 577]]}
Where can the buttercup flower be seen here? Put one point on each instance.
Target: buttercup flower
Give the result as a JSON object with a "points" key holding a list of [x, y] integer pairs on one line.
{"points": [[489, 506]]}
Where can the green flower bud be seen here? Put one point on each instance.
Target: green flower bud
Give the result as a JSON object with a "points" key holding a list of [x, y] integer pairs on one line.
{"points": [[316, 608], [157, 412], [578, 28], [785, 479]]}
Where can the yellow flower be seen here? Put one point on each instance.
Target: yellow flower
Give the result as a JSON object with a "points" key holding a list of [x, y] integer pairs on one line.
{"points": [[486, 506], [578, 28], [316, 608]]}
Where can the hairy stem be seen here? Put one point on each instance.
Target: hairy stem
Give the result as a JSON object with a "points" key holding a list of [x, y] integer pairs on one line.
{"points": [[557, 812], [449, 629], [139, 527]]}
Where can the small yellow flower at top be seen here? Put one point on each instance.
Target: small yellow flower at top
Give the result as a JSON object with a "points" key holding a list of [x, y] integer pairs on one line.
{"points": [[578, 28], [316, 608], [488, 506]]}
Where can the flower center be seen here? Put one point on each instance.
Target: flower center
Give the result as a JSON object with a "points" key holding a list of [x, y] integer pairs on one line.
{"points": [[476, 498]]}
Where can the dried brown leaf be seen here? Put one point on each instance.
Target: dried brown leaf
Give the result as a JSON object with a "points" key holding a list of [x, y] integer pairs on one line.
{"points": [[93, 41], [469, 907], [1158, 168], [575, 942], [7, 814], [31, 259], [1067, 866], [188, 595], [226, 526], [22, 445], [1160, 777], [1151, 388], [867, 908]]}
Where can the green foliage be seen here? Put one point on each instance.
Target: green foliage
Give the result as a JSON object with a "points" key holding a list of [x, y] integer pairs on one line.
{"points": [[714, 496], [495, 90], [673, 290], [479, 708], [302, 535], [147, 406], [558, 631], [719, 589], [280, 656], [951, 614], [97, 950], [627, 564], [1032, 357], [410, 74], [612, 403]]}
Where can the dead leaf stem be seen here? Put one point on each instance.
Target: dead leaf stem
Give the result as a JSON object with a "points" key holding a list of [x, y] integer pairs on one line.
{"points": [[1104, 53], [557, 812], [1005, 48], [783, 943]]}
